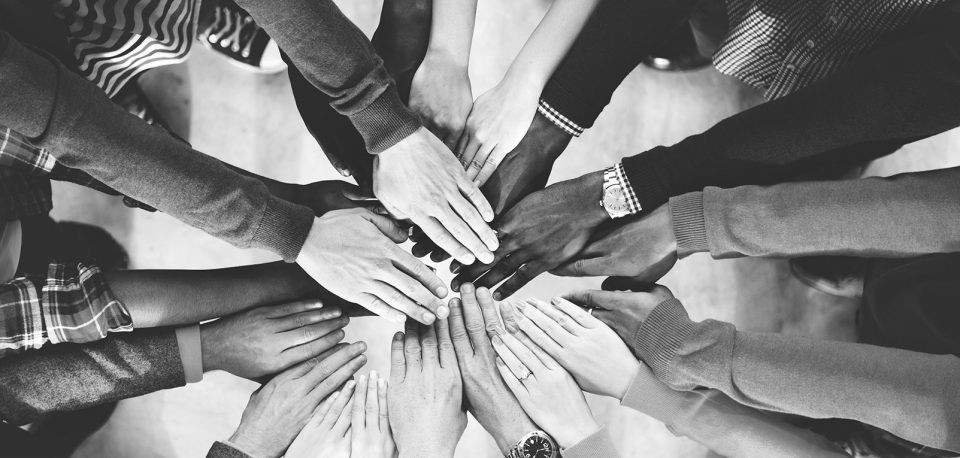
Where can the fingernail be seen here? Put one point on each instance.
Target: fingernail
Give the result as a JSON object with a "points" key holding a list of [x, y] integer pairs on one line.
{"points": [[334, 395], [466, 288], [350, 384], [382, 383], [520, 305], [441, 292], [555, 300], [496, 339], [486, 257], [373, 374], [428, 318], [362, 359], [443, 312], [397, 317], [335, 313], [317, 305], [499, 361], [497, 296], [362, 379], [398, 336], [361, 345]]}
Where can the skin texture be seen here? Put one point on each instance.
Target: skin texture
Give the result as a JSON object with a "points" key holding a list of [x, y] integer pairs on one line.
{"points": [[420, 179], [266, 340], [624, 312], [593, 353], [328, 432], [355, 253], [543, 231], [643, 250], [279, 410], [370, 424], [473, 319], [425, 395], [547, 392], [326, 196]]}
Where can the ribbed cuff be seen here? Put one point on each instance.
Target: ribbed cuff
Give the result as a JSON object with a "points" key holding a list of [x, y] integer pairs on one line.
{"points": [[226, 450], [283, 228], [191, 352], [653, 398], [598, 445], [660, 336], [385, 121], [686, 212]]}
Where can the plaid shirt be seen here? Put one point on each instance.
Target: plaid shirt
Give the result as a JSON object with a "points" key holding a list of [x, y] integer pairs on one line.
{"points": [[73, 304], [25, 174]]}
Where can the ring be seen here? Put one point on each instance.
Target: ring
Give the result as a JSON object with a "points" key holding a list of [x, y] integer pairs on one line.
{"points": [[590, 311], [526, 374]]}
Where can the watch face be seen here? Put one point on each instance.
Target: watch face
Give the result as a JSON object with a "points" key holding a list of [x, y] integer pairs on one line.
{"points": [[537, 447], [614, 201]]}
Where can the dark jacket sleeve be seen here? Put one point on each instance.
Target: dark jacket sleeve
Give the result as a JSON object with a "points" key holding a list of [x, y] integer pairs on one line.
{"points": [[338, 59], [902, 92], [76, 376], [83, 129]]}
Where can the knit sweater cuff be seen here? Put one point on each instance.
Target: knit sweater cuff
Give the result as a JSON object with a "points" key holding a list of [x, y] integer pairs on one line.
{"points": [[689, 227], [283, 229], [385, 121], [226, 450], [661, 335], [653, 398], [598, 444]]}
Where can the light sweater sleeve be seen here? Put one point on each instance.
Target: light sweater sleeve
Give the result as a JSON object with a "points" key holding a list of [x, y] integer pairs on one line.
{"points": [[720, 424], [596, 445], [901, 216], [83, 129], [912, 395]]}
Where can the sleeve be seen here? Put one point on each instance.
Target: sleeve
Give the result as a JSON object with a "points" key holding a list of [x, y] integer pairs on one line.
{"points": [[596, 445], [875, 385], [722, 425], [900, 216], [73, 304], [76, 376], [225, 450], [336, 58], [868, 108], [83, 129]]}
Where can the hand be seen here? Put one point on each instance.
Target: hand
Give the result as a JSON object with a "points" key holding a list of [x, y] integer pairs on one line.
{"points": [[545, 390], [267, 340], [624, 312], [543, 231], [370, 426], [328, 432], [440, 93], [325, 196], [492, 403], [279, 410], [354, 254], [592, 352], [420, 179], [643, 250], [425, 392], [496, 125]]}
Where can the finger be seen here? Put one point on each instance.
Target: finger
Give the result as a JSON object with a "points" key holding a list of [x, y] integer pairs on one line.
{"points": [[448, 357], [541, 355], [455, 224], [471, 190], [560, 318], [438, 255], [372, 407], [447, 242], [592, 298], [523, 353], [625, 284], [419, 271], [488, 310], [468, 146], [490, 166], [300, 320], [513, 362], [470, 273], [524, 275], [312, 348], [428, 345], [398, 363], [412, 353], [476, 163], [399, 301], [474, 318], [293, 308], [382, 401], [509, 314], [458, 331], [322, 370], [339, 355], [501, 271], [358, 418], [472, 217], [578, 314], [338, 405], [380, 308], [311, 332], [538, 336], [337, 378], [511, 380], [342, 424], [387, 226], [583, 267]]}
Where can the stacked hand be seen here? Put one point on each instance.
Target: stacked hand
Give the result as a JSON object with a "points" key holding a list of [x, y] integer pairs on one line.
{"points": [[440, 93], [425, 392], [545, 230], [279, 410], [370, 427], [325, 196], [328, 432]]}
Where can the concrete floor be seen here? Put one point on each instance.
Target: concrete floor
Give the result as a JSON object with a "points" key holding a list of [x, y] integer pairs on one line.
{"points": [[250, 121]]}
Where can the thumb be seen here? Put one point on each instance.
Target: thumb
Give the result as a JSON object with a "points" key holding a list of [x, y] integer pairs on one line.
{"points": [[625, 284], [583, 267], [387, 226]]}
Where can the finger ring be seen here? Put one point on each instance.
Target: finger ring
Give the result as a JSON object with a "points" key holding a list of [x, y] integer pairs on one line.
{"points": [[526, 374], [590, 311]]}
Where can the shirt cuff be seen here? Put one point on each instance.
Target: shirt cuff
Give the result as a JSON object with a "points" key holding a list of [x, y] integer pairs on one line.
{"points": [[191, 353], [79, 306], [559, 119], [660, 336], [598, 444], [385, 121], [689, 227]]}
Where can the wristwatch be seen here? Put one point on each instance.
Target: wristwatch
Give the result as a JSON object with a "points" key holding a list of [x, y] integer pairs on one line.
{"points": [[618, 199], [536, 444]]}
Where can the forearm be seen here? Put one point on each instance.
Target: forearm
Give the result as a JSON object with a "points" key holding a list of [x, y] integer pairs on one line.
{"points": [[73, 377], [818, 379], [901, 216], [550, 41], [868, 108], [451, 31], [79, 125], [336, 58], [176, 297], [722, 425]]}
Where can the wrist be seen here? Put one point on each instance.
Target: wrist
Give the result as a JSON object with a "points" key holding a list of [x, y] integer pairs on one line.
{"points": [[524, 82], [626, 380], [208, 348], [239, 441], [575, 432], [442, 54], [508, 435], [591, 186]]}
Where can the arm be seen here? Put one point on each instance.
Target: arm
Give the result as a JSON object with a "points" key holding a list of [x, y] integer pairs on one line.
{"points": [[73, 120], [872, 105], [901, 216], [813, 378]]}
